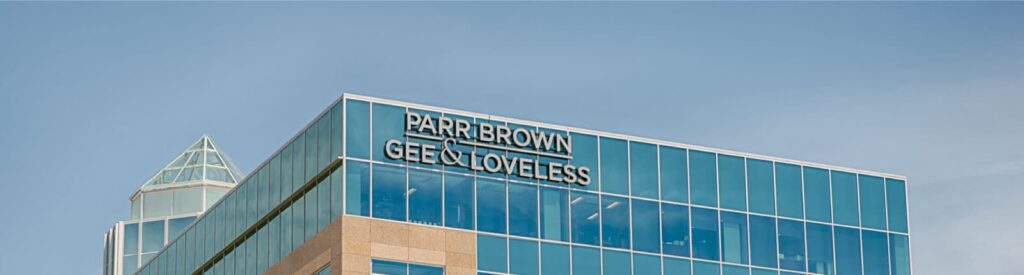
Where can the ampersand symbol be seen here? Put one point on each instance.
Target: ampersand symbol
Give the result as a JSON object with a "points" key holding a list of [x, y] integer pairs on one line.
{"points": [[450, 156]]}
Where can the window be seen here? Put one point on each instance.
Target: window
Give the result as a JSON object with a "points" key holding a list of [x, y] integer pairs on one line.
{"points": [[336, 199], [705, 234], [875, 251], [675, 230], [675, 266], [382, 267], [734, 270], [585, 260], [816, 190], [847, 251], [616, 262], [310, 199], [495, 256], [844, 198], [156, 204], [324, 271], [523, 257], [646, 264], [899, 254], [763, 250], [336, 126], [522, 212], [584, 154], [790, 190], [614, 173], [673, 174], [490, 205], [152, 236], [703, 178], [791, 245], [131, 238], [766, 272], [645, 226], [706, 268], [554, 214], [819, 249], [896, 198], [389, 192], [733, 182], [310, 164], [643, 173], [458, 203], [761, 186], [188, 200], [424, 197], [554, 258], [357, 185], [615, 224], [388, 123], [357, 130], [734, 237], [175, 226], [872, 202], [586, 218]]}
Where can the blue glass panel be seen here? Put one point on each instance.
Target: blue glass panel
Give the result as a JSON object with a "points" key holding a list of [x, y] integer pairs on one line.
{"points": [[615, 262], [875, 251], [705, 233], [847, 251], [554, 258], [425, 197], [732, 182], [896, 194], [643, 173], [388, 123], [131, 239], [523, 258], [336, 128], [522, 210], [152, 236], [646, 264], [357, 185], [899, 254], [816, 193], [615, 221], [790, 190], [130, 263], [311, 199], [819, 249], [872, 202], [389, 192], [675, 229], [495, 256], [763, 244], [703, 178], [380, 267], [357, 130], [844, 198], [415, 269], [337, 191], [706, 268], [761, 186], [586, 220], [735, 270], [584, 154], [673, 174], [614, 168], [675, 266], [646, 230], [791, 245], [585, 260], [490, 208], [458, 203], [764, 272], [311, 151], [554, 214], [734, 237], [175, 226]]}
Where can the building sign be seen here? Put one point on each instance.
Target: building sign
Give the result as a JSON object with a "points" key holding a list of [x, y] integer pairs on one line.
{"points": [[450, 132]]}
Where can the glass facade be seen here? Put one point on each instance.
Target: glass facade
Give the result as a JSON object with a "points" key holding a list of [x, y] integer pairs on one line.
{"points": [[647, 207]]}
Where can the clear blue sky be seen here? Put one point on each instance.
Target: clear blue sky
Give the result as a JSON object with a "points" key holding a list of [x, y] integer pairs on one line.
{"points": [[95, 97]]}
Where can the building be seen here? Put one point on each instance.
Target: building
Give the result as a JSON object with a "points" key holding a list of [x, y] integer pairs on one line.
{"points": [[386, 187], [167, 203]]}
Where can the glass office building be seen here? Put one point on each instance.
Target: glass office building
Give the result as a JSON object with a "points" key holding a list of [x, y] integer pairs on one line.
{"points": [[375, 186]]}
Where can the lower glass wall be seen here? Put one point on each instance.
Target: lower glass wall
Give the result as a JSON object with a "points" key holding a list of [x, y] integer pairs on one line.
{"points": [[383, 267]]}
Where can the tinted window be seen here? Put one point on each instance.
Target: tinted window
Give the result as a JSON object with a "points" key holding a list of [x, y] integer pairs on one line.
{"points": [[490, 205], [791, 245], [494, 259], [876, 254], [643, 173], [522, 212], [458, 202], [872, 202], [705, 233], [616, 262], [762, 242], [896, 194], [584, 154], [844, 198], [424, 197], [388, 192], [790, 190], [816, 192], [675, 266], [847, 251], [819, 249], [734, 237], [673, 174], [554, 258], [899, 254], [704, 188], [554, 214], [388, 123], [675, 229], [732, 182], [761, 186], [613, 166], [645, 226], [357, 185], [586, 220], [585, 260], [357, 130], [523, 258], [615, 221]]}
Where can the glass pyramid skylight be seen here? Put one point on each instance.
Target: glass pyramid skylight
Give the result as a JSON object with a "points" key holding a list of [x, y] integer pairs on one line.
{"points": [[201, 161]]}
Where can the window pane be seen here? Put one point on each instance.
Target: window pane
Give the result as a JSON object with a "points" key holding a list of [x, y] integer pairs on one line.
{"points": [[131, 238], [847, 251], [357, 129], [523, 258], [298, 222], [522, 212], [380, 267], [761, 186], [458, 202], [388, 123], [673, 174], [585, 260], [310, 199], [734, 270], [424, 197], [152, 236], [188, 200], [896, 194], [616, 262], [311, 157], [586, 220], [876, 254], [819, 249], [615, 224], [156, 204], [357, 185], [643, 171], [136, 208], [703, 178], [554, 214], [705, 234], [764, 272], [734, 237], [584, 154], [872, 202], [494, 259], [262, 191], [733, 182], [675, 266], [415, 269], [336, 126], [130, 263], [646, 264], [323, 207], [675, 229], [613, 166], [763, 250], [790, 190], [844, 198], [791, 245], [645, 226], [816, 192], [323, 142], [490, 205], [705, 268], [899, 254], [286, 171], [337, 192], [299, 162], [554, 258], [175, 226]]}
